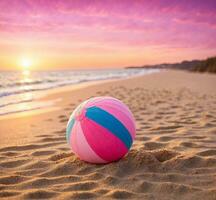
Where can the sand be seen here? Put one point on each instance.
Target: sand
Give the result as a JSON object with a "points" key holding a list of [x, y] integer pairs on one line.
{"points": [[173, 156]]}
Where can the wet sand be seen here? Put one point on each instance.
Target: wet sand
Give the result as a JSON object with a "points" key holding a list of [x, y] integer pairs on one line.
{"points": [[173, 156]]}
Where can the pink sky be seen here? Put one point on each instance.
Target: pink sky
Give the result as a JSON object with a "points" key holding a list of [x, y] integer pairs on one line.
{"points": [[78, 34]]}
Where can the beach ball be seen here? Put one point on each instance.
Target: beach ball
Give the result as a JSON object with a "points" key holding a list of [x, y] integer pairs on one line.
{"points": [[101, 130]]}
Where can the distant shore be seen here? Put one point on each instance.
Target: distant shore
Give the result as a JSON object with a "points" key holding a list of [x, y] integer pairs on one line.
{"points": [[207, 65]]}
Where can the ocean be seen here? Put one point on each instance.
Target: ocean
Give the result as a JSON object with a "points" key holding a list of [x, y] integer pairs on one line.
{"points": [[18, 89]]}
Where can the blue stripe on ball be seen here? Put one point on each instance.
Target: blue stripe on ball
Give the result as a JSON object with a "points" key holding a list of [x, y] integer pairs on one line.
{"points": [[111, 123]]}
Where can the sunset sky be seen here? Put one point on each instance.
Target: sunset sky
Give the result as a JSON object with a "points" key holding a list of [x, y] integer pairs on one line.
{"points": [[63, 34]]}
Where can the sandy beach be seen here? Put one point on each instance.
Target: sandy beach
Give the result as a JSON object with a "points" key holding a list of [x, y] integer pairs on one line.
{"points": [[173, 156]]}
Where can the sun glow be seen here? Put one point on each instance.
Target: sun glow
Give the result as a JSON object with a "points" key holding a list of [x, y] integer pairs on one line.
{"points": [[26, 63]]}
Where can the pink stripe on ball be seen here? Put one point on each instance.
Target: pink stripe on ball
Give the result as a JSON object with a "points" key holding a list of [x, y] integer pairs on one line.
{"points": [[85, 152], [107, 145]]}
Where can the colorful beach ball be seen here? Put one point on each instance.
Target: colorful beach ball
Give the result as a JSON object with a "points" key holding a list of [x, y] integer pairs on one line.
{"points": [[101, 130]]}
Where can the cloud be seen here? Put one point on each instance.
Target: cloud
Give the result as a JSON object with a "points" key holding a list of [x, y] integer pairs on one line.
{"points": [[111, 25]]}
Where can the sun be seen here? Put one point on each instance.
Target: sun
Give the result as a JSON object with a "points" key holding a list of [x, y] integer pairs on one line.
{"points": [[26, 63]]}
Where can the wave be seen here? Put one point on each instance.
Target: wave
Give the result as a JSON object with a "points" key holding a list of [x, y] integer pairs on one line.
{"points": [[27, 83], [13, 90], [17, 102], [45, 87]]}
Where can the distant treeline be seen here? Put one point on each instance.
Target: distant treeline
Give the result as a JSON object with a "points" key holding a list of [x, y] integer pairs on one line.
{"points": [[208, 65]]}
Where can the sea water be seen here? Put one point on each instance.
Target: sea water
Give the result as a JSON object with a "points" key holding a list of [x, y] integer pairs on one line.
{"points": [[18, 89]]}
